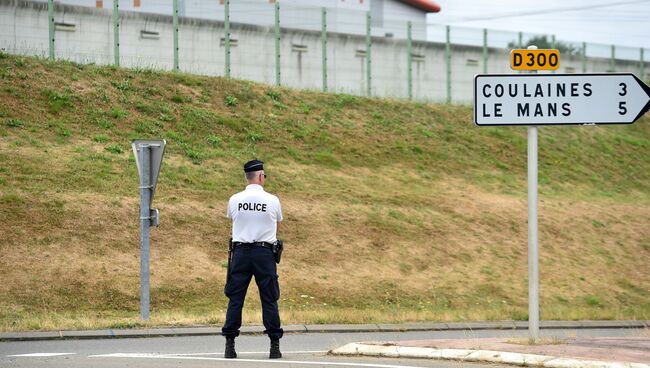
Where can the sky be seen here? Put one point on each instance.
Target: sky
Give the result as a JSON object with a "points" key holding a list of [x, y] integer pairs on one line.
{"points": [[620, 22]]}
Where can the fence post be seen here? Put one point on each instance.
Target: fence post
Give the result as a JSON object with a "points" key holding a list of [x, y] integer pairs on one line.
{"points": [[613, 60], [324, 42], [641, 65], [277, 43], [553, 45], [368, 54], [584, 57], [448, 58], [520, 43], [409, 58], [485, 50], [116, 31], [226, 41], [175, 25], [50, 21]]}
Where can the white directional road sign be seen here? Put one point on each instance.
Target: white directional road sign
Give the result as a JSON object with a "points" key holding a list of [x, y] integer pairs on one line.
{"points": [[559, 99]]}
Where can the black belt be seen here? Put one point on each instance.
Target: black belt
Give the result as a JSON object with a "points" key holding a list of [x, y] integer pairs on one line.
{"points": [[254, 244]]}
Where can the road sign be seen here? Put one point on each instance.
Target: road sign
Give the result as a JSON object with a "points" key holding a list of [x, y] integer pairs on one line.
{"points": [[559, 99], [148, 157], [534, 59], [157, 151]]}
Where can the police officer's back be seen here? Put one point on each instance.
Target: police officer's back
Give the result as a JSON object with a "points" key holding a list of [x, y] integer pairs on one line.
{"points": [[255, 214]]}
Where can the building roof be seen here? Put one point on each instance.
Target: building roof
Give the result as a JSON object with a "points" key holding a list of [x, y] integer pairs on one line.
{"points": [[425, 5]]}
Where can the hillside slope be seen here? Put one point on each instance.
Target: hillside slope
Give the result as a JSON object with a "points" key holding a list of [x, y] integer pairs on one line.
{"points": [[394, 211]]}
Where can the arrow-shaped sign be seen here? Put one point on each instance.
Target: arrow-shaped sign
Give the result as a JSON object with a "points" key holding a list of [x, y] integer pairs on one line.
{"points": [[559, 99], [157, 151]]}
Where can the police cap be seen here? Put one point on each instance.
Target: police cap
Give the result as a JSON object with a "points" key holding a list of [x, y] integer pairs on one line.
{"points": [[253, 165]]}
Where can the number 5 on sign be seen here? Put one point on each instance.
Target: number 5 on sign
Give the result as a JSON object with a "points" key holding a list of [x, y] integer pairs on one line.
{"points": [[534, 59], [622, 109]]}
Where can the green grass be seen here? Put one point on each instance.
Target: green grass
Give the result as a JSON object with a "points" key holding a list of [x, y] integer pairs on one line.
{"points": [[14, 123], [395, 211]]}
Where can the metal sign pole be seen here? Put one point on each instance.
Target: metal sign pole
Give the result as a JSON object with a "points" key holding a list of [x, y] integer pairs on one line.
{"points": [[145, 223], [533, 256]]}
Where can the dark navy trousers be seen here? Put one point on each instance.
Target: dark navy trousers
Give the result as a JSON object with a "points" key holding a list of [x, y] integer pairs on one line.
{"points": [[249, 261]]}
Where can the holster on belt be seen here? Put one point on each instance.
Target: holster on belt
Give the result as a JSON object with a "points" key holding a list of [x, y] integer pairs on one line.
{"points": [[277, 250]]}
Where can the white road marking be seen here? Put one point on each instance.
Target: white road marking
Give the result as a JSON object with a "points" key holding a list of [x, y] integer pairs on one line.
{"points": [[278, 361], [128, 355], [255, 352], [40, 354]]}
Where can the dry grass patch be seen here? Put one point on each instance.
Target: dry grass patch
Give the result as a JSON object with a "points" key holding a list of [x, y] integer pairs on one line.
{"points": [[554, 340]]}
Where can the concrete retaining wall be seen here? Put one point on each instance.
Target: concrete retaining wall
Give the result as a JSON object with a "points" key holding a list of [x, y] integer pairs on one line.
{"points": [[146, 42]]}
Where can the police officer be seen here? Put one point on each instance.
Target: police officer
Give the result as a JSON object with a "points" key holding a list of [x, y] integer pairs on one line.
{"points": [[255, 215]]}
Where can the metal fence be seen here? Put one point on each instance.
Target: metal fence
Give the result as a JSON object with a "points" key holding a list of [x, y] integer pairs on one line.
{"points": [[401, 59]]}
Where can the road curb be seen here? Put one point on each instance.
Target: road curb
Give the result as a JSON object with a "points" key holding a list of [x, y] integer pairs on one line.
{"points": [[340, 328], [524, 360]]}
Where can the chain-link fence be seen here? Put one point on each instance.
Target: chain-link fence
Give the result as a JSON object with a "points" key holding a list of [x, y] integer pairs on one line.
{"points": [[356, 51]]}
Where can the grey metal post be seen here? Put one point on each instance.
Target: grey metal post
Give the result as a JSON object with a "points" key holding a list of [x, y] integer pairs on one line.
{"points": [[277, 43], [448, 59], [175, 25], [226, 26], [116, 31], [613, 59], [584, 57], [552, 41], [533, 258], [368, 54], [324, 44], [50, 21], [520, 43], [145, 223], [553, 44], [485, 50], [409, 58], [533, 255]]}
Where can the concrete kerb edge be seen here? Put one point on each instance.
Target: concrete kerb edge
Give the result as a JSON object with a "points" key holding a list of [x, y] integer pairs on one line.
{"points": [[257, 330], [519, 359]]}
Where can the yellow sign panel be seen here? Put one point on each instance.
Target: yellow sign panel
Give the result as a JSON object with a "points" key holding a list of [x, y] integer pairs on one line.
{"points": [[535, 59]]}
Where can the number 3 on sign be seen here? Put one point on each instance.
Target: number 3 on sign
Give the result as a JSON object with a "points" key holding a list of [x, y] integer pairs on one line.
{"points": [[622, 110]]}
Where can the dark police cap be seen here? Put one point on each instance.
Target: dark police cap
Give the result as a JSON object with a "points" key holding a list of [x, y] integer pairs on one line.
{"points": [[253, 165]]}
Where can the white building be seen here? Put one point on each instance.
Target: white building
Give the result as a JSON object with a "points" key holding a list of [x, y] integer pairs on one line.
{"points": [[389, 17]]}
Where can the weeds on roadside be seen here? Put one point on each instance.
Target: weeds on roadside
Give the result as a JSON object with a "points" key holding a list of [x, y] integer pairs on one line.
{"points": [[554, 340], [231, 101], [114, 148]]}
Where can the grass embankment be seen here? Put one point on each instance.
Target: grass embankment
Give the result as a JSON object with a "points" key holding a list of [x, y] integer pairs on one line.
{"points": [[395, 211]]}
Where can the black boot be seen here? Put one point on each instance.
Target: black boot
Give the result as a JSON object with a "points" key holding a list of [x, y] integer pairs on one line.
{"points": [[230, 348], [275, 349]]}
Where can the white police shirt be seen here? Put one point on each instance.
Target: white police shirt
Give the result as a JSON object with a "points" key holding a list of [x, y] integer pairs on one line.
{"points": [[255, 214]]}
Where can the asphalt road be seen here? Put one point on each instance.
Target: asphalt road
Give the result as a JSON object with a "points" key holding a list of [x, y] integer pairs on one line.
{"points": [[299, 350]]}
